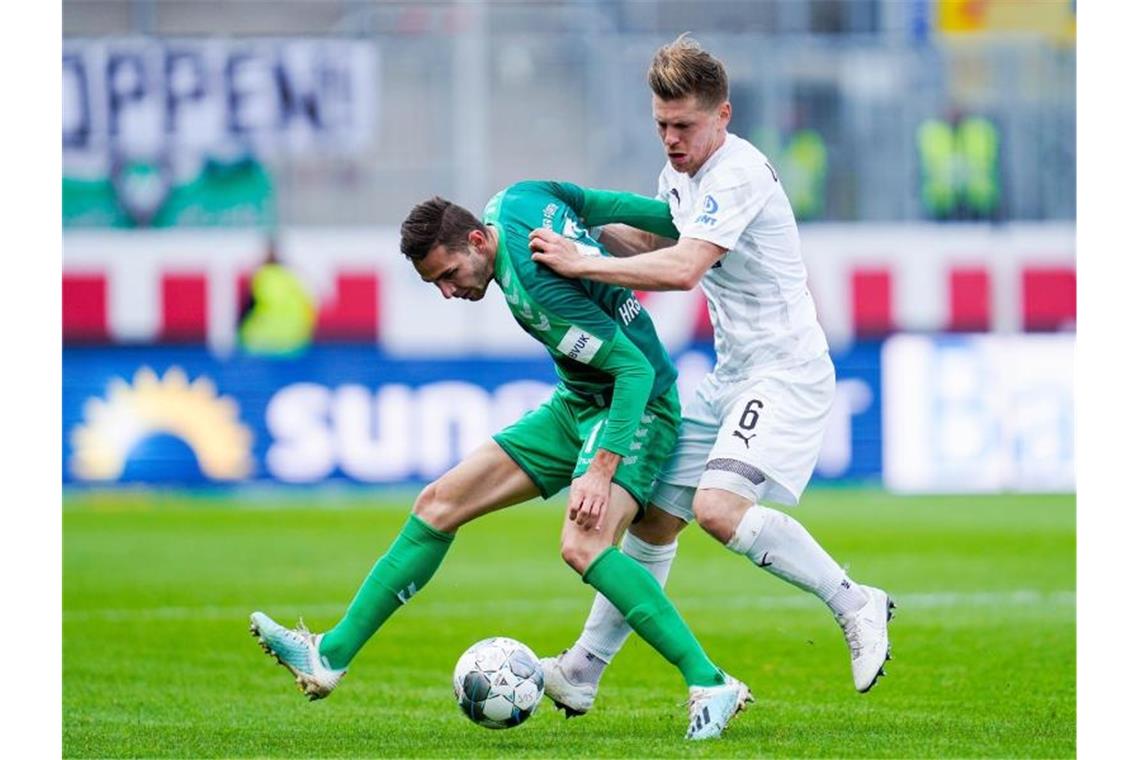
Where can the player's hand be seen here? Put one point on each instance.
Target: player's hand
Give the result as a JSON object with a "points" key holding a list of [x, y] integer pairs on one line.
{"points": [[556, 252], [589, 497]]}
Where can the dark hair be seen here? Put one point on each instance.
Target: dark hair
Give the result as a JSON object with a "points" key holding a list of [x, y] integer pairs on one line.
{"points": [[682, 68], [434, 222]]}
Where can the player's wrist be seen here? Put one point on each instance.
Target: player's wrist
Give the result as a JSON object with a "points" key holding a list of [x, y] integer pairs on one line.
{"points": [[605, 463]]}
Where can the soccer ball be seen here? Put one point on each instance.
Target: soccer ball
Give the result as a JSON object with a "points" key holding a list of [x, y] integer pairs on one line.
{"points": [[498, 682]]}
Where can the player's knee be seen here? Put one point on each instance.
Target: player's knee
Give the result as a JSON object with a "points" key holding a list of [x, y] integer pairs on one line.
{"points": [[715, 515], [578, 552], [432, 507]]}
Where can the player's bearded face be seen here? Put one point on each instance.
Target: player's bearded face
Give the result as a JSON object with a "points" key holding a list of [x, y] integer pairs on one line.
{"points": [[459, 273], [689, 131]]}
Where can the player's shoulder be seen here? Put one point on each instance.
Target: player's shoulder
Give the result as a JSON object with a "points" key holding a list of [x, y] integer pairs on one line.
{"points": [[524, 192], [533, 276], [738, 157], [739, 163]]}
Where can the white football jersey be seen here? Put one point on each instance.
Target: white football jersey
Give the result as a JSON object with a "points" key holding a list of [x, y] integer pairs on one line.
{"points": [[762, 314]]}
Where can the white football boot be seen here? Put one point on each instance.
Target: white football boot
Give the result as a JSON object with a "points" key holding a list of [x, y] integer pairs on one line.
{"points": [[573, 698], [712, 707], [299, 651], [866, 633]]}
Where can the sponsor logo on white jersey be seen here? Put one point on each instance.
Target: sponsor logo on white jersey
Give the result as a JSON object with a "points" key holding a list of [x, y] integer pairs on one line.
{"points": [[579, 345], [708, 218]]}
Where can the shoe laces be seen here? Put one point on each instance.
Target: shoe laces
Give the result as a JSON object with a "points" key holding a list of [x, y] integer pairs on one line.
{"points": [[851, 634], [696, 700], [301, 633]]}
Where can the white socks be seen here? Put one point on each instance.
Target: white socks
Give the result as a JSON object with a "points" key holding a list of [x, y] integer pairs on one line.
{"points": [[783, 547], [606, 629], [770, 538]]}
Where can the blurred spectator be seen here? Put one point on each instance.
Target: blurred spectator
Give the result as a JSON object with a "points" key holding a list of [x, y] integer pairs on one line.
{"points": [[147, 191], [279, 318], [978, 146], [802, 165], [958, 159]]}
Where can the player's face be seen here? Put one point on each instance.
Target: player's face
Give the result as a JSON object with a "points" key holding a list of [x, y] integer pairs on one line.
{"points": [[690, 132], [460, 273]]}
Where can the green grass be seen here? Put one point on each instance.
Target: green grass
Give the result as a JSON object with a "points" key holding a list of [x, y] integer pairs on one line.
{"points": [[158, 660]]}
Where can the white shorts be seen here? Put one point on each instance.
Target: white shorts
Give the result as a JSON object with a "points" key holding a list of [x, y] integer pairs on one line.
{"points": [[757, 438]]}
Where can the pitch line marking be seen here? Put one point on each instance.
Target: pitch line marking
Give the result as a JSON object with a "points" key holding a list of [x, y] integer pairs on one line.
{"points": [[907, 601]]}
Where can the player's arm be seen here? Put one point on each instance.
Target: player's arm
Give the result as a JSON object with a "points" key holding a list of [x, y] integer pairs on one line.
{"points": [[588, 335], [737, 196], [633, 383], [591, 337], [606, 207], [677, 267], [623, 240]]}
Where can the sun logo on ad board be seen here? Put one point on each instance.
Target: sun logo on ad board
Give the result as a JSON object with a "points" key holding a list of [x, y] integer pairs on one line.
{"points": [[149, 406]]}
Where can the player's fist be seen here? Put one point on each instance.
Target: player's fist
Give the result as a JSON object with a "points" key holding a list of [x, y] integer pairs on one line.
{"points": [[556, 252]]}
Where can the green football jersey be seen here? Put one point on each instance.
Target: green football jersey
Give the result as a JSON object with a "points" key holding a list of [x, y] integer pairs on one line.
{"points": [[604, 345]]}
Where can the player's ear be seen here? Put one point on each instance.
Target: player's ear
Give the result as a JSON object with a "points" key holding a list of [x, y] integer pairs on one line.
{"points": [[725, 111]]}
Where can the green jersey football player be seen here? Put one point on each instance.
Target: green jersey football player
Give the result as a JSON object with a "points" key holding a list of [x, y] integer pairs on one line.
{"points": [[606, 431]]}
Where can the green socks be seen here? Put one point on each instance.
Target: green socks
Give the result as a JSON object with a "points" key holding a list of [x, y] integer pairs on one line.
{"points": [[633, 590], [406, 568], [417, 552]]}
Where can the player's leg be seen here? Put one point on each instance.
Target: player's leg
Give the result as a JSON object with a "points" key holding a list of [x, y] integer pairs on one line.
{"points": [[486, 480], [535, 455], [714, 697], [633, 590], [766, 449], [572, 678], [778, 543]]}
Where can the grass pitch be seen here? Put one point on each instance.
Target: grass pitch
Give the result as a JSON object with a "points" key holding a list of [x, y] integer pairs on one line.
{"points": [[158, 660]]}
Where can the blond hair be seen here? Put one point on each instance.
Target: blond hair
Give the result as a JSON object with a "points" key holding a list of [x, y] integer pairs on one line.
{"points": [[683, 68]]}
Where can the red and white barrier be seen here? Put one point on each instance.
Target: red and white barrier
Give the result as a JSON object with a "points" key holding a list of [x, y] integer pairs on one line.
{"points": [[868, 280]]}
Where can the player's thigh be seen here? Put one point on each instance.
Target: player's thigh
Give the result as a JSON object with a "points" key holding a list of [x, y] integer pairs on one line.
{"points": [[486, 480], [771, 435], [657, 526], [653, 442], [677, 484]]}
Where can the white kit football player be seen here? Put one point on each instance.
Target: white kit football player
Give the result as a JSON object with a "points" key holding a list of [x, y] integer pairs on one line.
{"points": [[753, 432]]}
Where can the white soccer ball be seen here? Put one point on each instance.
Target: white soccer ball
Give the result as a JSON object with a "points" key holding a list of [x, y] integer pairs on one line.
{"points": [[498, 682]]}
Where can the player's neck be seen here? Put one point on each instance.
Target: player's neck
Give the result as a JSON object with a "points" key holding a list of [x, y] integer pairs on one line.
{"points": [[492, 249], [721, 139]]}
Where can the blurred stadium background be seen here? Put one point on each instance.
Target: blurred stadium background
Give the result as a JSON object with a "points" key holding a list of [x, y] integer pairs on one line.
{"points": [[929, 147]]}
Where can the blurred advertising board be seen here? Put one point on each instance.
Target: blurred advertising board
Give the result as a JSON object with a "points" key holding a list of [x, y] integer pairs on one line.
{"points": [[868, 280], [182, 416], [147, 95], [978, 413], [174, 132]]}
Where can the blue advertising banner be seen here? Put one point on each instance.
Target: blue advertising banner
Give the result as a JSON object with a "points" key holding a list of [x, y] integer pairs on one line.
{"points": [[181, 416]]}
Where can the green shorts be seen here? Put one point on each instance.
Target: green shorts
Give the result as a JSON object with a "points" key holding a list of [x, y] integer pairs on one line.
{"points": [[555, 443]]}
